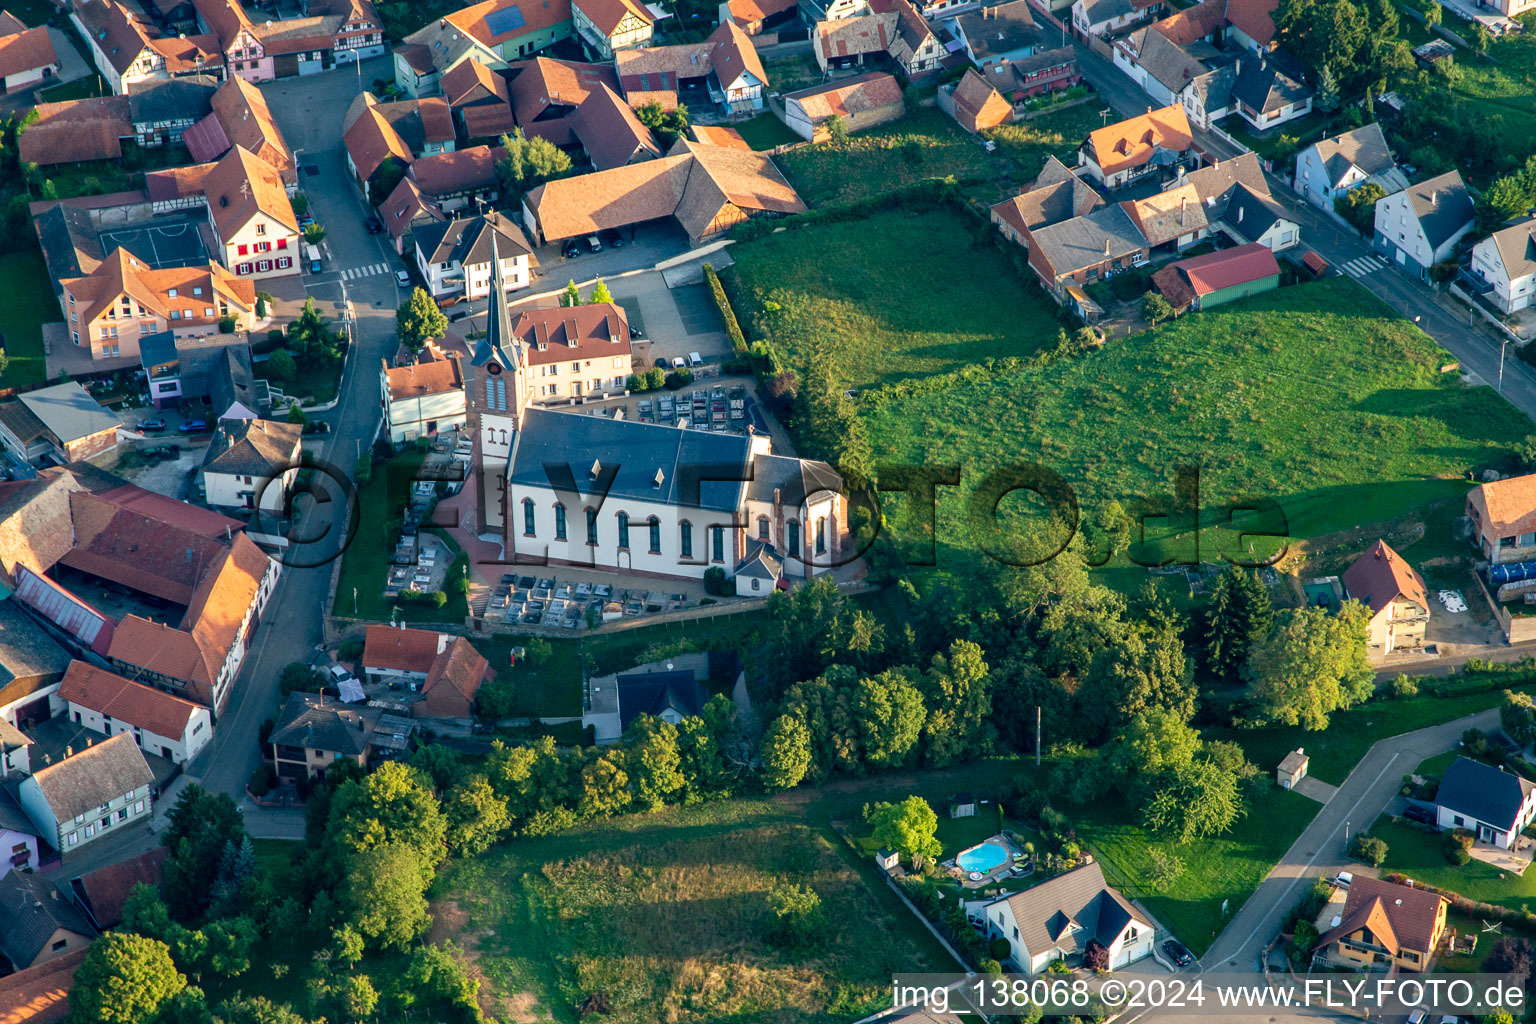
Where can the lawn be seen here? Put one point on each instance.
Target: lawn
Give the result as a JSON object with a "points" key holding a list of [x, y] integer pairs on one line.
{"points": [[380, 504], [33, 12], [549, 689], [1419, 856], [927, 143], [789, 74], [665, 915], [766, 131], [863, 291], [80, 89], [1506, 88], [1361, 428], [29, 305]]}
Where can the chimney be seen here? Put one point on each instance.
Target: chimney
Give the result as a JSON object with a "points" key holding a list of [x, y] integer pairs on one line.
{"points": [[1106, 245], [1434, 197], [1183, 207], [1239, 65], [1240, 214], [597, 467], [69, 751]]}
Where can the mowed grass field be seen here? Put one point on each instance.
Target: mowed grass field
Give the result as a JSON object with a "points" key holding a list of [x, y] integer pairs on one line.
{"points": [[28, 305], [927, 143], [897, 294], [1316, 396], [665, 915]]}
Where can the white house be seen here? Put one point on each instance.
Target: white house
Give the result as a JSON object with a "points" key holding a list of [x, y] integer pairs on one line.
{"points": [[1420, 226], [1506, 260], [1102, 17], [1331, 168], [400, 655], [18, 836], [26, 55], [251, 462], [576, 352], [1060, 918], [254, 226], [89, 793], [159, 723], [1267, 95], [1495, 805], [454, 256], [607, 26], [424, 397]]}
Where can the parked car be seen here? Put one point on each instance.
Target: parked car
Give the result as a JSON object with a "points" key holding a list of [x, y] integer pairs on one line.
{"points": [[1343, 878], [402, 279], [636, 331], [337, 675], [372, 225], [164, 451], [679, 363], [572, 249], [1417, 1015], [663, 363], [1177, 953], [694, 359], [193, 426], [460, 313], [150, 426], [594, 244], [614, 239], [1423, 815]]}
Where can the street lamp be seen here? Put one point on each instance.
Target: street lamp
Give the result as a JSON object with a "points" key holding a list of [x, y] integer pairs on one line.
{"points": [[354, 600]]}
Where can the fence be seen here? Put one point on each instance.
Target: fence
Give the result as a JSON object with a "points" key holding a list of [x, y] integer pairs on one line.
{"points": [[1471, 301]]}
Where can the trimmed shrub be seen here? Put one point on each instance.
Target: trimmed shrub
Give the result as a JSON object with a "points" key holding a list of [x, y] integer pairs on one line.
{"points": [[727, 314]]}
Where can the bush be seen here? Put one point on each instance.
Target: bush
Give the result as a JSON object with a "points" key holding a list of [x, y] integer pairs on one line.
{"points": [[1474, 742], [1457, 856], [261, 780], [679, 379], [727, 314], [999, 948], [350, 650], [420, 598], [227, 325], [989, 965], [1368, 850], [1403, 687], [717, 583]]}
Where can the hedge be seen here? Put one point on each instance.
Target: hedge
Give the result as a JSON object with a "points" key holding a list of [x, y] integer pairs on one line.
{"points": [[1525, 920], [732, 325]]}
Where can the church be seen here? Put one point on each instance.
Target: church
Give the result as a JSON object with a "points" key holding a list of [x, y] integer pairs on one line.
{"points": [[563, 486]]}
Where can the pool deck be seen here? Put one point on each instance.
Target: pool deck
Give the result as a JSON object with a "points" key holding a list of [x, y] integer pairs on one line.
{"points": [[1007, 868]]}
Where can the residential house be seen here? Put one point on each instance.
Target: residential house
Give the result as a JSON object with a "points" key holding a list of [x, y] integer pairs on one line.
{"points": [[452, 181], [1154, 142], [1063, 917], [1102, 17], [707, 189], [1226, 275], [448, 693], [1493, 804], [1505, 262], [159, 723], [1194, 25], [1238, 203], [1208, 96], [490, 34], [401, 656], [36, 925], [1056, 195], [547, 93], [76, 131], [610, 131], [314, 731], [240, 117], [1171, 220], [718, 135], [479, 100], [669, 696], [15, 753], [88, 793], [101, 894], [974, 104], [454, 256], [1503, 514], [429, 53], [26, 57], [607, 26], [1267, 93], [1046, 71], [655, 520], [370, 141], [423, 397], [163, 108], [723, 70], [1329, 169], [575, 352], [32, 662], [1251, 24], [1071, 253], [254, 226], [124, 301], [326, 33], [1420, 226], [1000, 33], [863, 101], [425, 125], [127, 49], [1395, 596], [216, 369], [1162, 68], [404, 211], [252, 463], [1513, 8], [757, 17], [61, 422], [19, 849], [1384, 926], [893, 30]]}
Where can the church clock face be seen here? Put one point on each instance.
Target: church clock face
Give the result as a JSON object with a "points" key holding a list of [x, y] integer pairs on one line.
{"points": [[495, 368]]}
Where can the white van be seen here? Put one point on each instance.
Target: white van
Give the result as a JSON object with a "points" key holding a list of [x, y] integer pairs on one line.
{"points": [[312, 258]]}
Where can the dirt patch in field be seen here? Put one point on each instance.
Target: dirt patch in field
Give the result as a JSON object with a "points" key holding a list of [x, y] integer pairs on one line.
{"points": [[1333, 552], [451, 922]]}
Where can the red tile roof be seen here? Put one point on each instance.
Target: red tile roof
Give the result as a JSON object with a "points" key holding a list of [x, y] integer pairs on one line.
{"points": [[607, 14], [39, 995], [1380, 576], [148, 554], [537, 15], [437, 377], [1254, 18], [371, 140], [573, 332], [1228, 268], [452, 682], [126, 701], [463, 170], [26, 51], [1505, 507], [400, 650], [1131, 143], [77, 130], [106, 889]]}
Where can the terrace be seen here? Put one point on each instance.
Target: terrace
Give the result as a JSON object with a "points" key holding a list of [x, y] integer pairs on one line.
{"points": [[989, 862]]}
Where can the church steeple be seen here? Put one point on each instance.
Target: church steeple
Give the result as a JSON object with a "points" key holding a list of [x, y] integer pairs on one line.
{"points": [[494, 345]]}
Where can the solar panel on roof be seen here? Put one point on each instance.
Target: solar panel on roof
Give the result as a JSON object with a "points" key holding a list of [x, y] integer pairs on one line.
{"points": [[509, 19]]}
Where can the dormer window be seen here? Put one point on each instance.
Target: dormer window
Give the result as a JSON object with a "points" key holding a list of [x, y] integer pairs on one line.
{"points": [[170, 294]]}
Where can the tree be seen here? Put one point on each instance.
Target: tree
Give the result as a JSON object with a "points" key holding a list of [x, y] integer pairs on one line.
{"points": [[908, 827], [1358, 205], [1480, 38], [669, 125], [889, 714], [441, 763], [419, 320], [1163, 869], [1368, 850], [310, 338], [603, 786], [1239, 614], [391, 805], [477, 817], [229, 944], [244, 1009], [1193, 802], [571, 296], [1155, 308], [600, 293], [1154, 742], [314, 233], [837, 130], [297, 676], [1510, 954], [356, 996], [1327, 99], [1517, 716], [124, 979], [654, 761], [1147, 669], [280, 366], [797, 920], [1310, 664], [786, 753], [528, 163], [201, 827], [1432, 16], [382, 894], [296, 414], [346, 946], [959, 701], [384, 181]]}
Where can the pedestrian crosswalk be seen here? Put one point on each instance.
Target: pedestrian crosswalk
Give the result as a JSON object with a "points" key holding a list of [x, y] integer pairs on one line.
{"points": [[353, 273], [1364, 265]]}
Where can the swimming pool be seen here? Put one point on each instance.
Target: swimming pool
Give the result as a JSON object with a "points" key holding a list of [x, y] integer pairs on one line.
{"points": [[982, 858]]}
